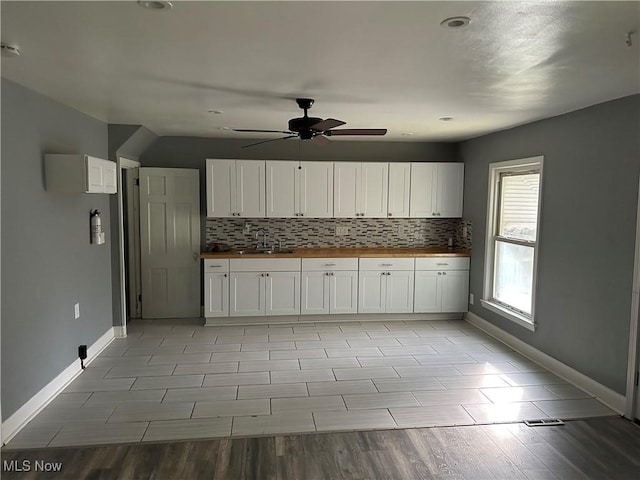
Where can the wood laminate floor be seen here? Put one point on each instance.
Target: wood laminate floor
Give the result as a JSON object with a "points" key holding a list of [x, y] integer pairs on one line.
{"points": [[603, 448], [179, 380]]}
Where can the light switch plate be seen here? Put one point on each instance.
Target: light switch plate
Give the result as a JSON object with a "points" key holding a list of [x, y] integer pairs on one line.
{"points": [[471, 299], [342, 231], [76, 311]]}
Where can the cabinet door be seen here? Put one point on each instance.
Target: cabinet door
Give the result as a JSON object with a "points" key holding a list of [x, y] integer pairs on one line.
{"points": [[95, 175], [250, 188], [374, 190], [372, 292], [455, 290], [399, 188], [450, 189], [221, 181], [246, 294], [426, 292], [316, 189], [346, 180], [343, 291], [399, 292], [282, 192], [216, 295], [422, 200], [283, 293], [315, 293]]}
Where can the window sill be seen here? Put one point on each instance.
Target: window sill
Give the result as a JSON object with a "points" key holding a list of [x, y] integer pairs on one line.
{"points": [[508, 314]]}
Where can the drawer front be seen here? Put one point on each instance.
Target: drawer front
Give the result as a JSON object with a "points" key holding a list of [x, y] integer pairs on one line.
{"points": [[442, 263], [386, 264], [215, 265], [265, 265], [323, 264]]}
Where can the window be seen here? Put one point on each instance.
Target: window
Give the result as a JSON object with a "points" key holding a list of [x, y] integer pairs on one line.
{"points": [[513, 216]]}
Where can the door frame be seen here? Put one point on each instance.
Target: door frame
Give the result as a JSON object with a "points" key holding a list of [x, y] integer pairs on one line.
{"points": [[632, 404], [123, 164]]}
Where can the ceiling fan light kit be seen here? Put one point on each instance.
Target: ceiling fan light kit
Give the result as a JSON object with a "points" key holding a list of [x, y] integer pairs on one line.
{"points": [[313, 128]]}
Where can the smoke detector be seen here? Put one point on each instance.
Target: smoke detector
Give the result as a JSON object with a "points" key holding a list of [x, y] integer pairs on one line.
{"points": [[156, 5], [455, 22], [10, 50]]}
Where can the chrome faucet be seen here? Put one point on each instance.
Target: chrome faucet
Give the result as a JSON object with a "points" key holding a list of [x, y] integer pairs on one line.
{"points": [[264, 238]]}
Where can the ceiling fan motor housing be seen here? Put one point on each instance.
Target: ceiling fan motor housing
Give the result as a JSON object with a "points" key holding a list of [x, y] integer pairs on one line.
{"points": [[303, 125]]}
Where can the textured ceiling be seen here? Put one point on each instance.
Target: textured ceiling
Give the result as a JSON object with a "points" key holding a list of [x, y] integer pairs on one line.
{"points": [[371, 64]]}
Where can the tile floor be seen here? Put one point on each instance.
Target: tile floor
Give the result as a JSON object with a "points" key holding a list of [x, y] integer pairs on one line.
{"points": [[171, 380]]}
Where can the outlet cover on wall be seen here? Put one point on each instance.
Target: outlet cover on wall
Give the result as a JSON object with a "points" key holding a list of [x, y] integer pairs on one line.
{"points": [[471, 299], [76, 311], [342, 231]]}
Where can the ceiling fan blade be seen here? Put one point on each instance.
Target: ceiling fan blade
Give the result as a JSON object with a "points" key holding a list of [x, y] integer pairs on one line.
{"points": [[327, 124], [267, 141], [258, 131], [357, 131], [321, 140]]}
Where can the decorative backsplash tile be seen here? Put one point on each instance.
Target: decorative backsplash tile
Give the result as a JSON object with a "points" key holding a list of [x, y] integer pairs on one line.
{"points": [[321, 232]]}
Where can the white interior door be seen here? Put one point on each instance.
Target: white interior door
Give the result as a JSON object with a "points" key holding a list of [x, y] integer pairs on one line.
{"points": [[170, 242]]}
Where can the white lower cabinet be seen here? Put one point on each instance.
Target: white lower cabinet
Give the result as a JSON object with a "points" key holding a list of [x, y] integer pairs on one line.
{"points": [[264, 287], [386, 285], [441, 285], [216, 288], [329, 285]]}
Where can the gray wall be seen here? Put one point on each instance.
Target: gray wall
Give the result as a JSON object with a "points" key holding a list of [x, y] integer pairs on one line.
{"points": [[191, 152], [47, 261], [587, 235]]}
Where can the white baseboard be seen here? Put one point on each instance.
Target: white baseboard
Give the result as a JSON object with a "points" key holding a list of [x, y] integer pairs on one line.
{"points": [[12, 425], [356, 317], [610, 398], [120, 331]]}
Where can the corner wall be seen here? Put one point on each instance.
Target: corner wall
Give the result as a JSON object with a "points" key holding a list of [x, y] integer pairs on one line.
{"points": [[587, 233], [48, 263]]}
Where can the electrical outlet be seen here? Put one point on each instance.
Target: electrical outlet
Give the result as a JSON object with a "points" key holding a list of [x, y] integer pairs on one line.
{"points": [[76, 311], [465, 231], [471, 299], [342, 231]]}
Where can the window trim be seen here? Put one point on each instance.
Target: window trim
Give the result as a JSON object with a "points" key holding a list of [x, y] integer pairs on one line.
{"points": [[496, 169]]}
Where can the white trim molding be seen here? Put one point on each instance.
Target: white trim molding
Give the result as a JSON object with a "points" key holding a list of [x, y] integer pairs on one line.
{"points": [[610, 398], [120, 332], [16, 422]]}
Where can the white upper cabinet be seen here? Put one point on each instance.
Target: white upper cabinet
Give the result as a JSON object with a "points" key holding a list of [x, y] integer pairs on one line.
{"points": [[299, 189], [316, 189], [235, 188], [399, 188], [282, 191], [436, 190], [80, 174], [360, 189]]}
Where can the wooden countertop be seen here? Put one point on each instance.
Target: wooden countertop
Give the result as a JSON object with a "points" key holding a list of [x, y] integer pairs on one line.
{"points": [[360, 252]]}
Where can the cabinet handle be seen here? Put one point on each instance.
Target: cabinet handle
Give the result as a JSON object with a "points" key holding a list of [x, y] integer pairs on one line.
{"points": [[389, 214], [302, 214], [225, 275], [327, 274], [267, 274], [262, 274], [434, 214], [439, 273], [444, 273], [215, 266], [329, 264], [331, 274], [387, 264], [442, 264]]}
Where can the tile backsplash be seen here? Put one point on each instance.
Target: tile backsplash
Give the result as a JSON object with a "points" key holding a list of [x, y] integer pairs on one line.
{"points": [[361, 232]]}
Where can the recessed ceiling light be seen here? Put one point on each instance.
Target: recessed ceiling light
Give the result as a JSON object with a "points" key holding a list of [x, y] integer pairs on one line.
{"points": [[455, 22], [157, 5], [216, 112], [10, 50], [445, 119]]}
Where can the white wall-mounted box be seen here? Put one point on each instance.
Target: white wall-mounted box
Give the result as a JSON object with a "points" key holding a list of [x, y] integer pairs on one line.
{"points": [[76, 173]]}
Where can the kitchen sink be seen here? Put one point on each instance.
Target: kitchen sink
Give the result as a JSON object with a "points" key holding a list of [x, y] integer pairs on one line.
{"points": [[255, 251]]}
